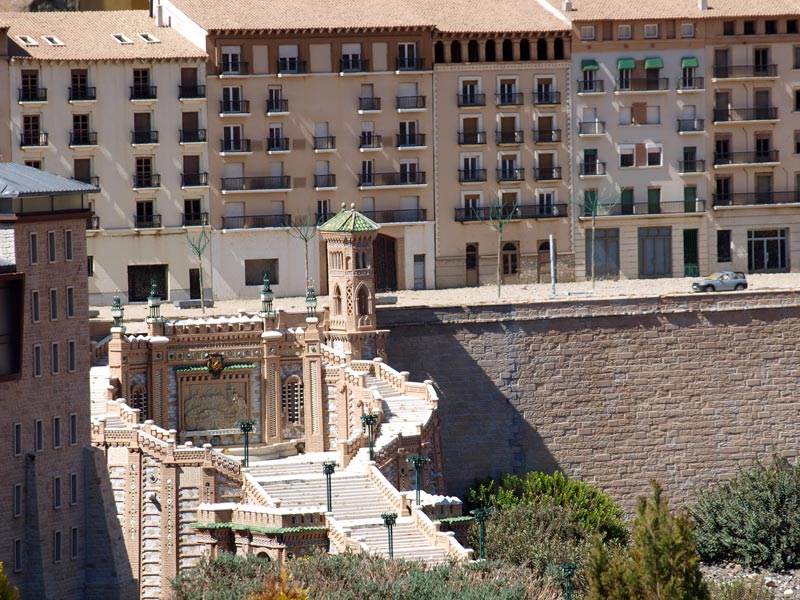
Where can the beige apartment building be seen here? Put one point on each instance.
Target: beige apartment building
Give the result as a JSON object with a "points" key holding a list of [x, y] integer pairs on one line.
{"points": [[113, 99], [679, 144]]}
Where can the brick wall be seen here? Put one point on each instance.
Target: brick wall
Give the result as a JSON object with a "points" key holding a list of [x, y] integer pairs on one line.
{"points": [[614, 392]]}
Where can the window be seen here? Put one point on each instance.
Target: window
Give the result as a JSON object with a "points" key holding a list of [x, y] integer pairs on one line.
{"points": [[625, 115], [653, 115], [53, 305], [796, 55], [771, 27], [90, 266], [35, 305], [149, 38], [749, 27], [687, 30], [471, 201], [797, 141], [70, 302], [27, 40], [56, 546], [73, 543], [654, 153], [144, 172], [17, 555], [73, 429], [797, 99], [17, 500], [767, 251], [231, 59], [587, 32], [37, 361], [655, 251], [791, 26], [52, 40], [51, 246], [36, 164], [510, 258], [728, 28], [34, 249], [56, 432], [54, 362], [121, 39], [145, 214], [56, 492], [724, 245], [651, 30], [627, 156], [17, 439], [38, 430], [71, 357], [254, 271], [624, 32], [73, 488], [351, 57], [602, 253], [68, 245]]}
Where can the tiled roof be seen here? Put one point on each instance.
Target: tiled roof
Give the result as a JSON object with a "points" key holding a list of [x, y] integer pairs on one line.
{"points": [[17, 180], [89, 36], [449, 16], [349, 220], [621, 10]]}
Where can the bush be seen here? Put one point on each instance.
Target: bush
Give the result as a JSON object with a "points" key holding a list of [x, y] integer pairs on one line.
{"points": [[755, 589], [280, 588], [227, 577], [753, 519], [596, 511], [7, 591]]}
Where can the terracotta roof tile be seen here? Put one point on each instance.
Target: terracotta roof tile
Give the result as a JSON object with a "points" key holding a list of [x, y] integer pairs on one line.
{"points": [[88, 36], [621, 10]]}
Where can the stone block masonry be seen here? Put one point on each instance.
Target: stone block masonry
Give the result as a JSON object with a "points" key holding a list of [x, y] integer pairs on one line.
{"points": [[684, 389]]}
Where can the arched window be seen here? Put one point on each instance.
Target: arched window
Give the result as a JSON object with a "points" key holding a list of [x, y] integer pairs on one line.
{"points": [[510, 258], [472, 256], [473, 55], [362, 301], [139, 400], [364, 260], [455, 51], [292, 401], [358, 260], [558, 48], [337, 301], [491, 56], [524, 50], [347, 263], [438, 52], [541, 49], [508, 50]]}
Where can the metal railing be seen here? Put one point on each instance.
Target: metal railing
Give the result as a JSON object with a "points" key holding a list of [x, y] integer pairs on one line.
{"points": [[691, 83], [546, 97], [353, 65], [277, 105], [410, 140], [759, 113], [234, 106], [277, 144], [370, 140], [256, 221], [33, 138], [471, 175], [325, 181], [510, 137], [642, 84], [744, 71], [369, 104], [327, 142], [511, 174], [191, 91], [592, 168], [82, 93], [403, 215], [146, 181], [194, 179], [144, 92], [549, 173], [146, 221], [471, 137], [691, 166], [82, 138], [291, 66], [748, 198], [745, 158], [91, 180], [394, 178], [592, 86], [192, 136], [144, 137], [688, 125], [234, 67], [672, 207], [592, 128], [410, 64], [546, 135], [263, 182], [509, 98], [471, 100], [193, 219], [520, 211], [28, 94], [93, 223], [234, 145], [410, 102]]}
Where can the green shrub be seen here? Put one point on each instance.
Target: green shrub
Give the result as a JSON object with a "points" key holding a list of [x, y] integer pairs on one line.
{"points": [[753, 519], [7, 591], [594, 509], [740, 589], [227, 577]]}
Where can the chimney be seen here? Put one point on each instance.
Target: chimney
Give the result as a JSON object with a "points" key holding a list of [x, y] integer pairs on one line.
{"points": [[567, 6], [160, 15], [702, 4], [150, 4]]}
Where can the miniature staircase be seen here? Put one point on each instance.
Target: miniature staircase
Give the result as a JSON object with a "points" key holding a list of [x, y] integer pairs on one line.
{"points": [[99, 374]]}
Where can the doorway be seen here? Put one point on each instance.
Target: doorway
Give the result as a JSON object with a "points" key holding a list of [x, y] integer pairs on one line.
{"points": [[471, 259], [139, 280], [385, 253]]}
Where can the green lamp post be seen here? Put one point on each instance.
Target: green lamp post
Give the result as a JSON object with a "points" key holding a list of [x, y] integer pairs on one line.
{"points": [[369, 420], [267, 297], [481, 515], [328, 469], [154, 302], [311, 302], [117, 313], [389, 520], [418, 462], [568, 569], [246, 426]]}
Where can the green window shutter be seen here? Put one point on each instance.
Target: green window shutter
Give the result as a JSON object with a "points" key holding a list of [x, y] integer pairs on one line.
{"points": [[690, 62], [654, 201], [626, 202], [589, 64], [626, 63], [690, 199], [589, 202], [690, 253], [653, 63]]}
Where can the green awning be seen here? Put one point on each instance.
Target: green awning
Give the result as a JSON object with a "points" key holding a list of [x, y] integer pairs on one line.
{"points": [[589, 65], [653, 63], [690, 62], [626, 63]]}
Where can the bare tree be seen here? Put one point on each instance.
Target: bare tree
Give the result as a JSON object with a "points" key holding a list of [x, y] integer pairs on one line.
{"points": [[497, 217], [596, 203], [198, 243], [304, 228]]}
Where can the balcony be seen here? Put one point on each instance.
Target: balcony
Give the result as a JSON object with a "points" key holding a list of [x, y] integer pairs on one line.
{"points": [[32, 139], [82, 94], [291, 66], [510, 137], [257, 222], [146, 181], [146, 221], [733, 115], [471, 175], [82, 138], [471, 138], [144, 138], [691, 125], [370, 141], [234, 68], [191, 92], [510, 174], [324, 217], [410, 64], [32, 95], [410, 140], [642, 84], [193, 219], [592, 169], [93, 223], [277, 106], [744, 71], [369, 104], [91, 180], [403, 215], [691, 166], [471, 100], [592, 128], [756, 198], [545, 136], [256, 184], [277, 144], [547, 174], [192, 136], [324, 143], [546, 98], [194, 180], [509, 99], [327, 181], [353, 65], [144, 92], [671, 207], [691, 84], [520, 211], [593, 86], [402, 178], [410, 102], [722, 159], [234, 146], [234, 107]]}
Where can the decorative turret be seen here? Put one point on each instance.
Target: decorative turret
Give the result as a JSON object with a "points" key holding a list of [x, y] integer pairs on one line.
{"points": [[154, 318]]}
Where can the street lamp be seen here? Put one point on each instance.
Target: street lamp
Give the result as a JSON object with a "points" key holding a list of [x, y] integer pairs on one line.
{"points": [[117, 312], [369, 420], [267, 296], [568, 569], [389, 519], [418, 462], [327, 469], [246, 426], [311, 302], [481, 515]]}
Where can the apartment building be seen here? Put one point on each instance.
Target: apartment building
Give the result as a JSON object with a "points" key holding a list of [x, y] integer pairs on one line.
{"points": [[44, 381], [112, 99], [679, 156]]}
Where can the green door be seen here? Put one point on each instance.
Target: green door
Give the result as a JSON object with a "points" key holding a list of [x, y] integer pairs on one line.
{"points": [[590, 207], [689, 199], [691, 267], [626, 202], [654, 201]]}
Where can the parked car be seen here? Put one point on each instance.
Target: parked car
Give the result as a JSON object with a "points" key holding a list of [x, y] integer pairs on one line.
{"points": [[723, 281]]}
